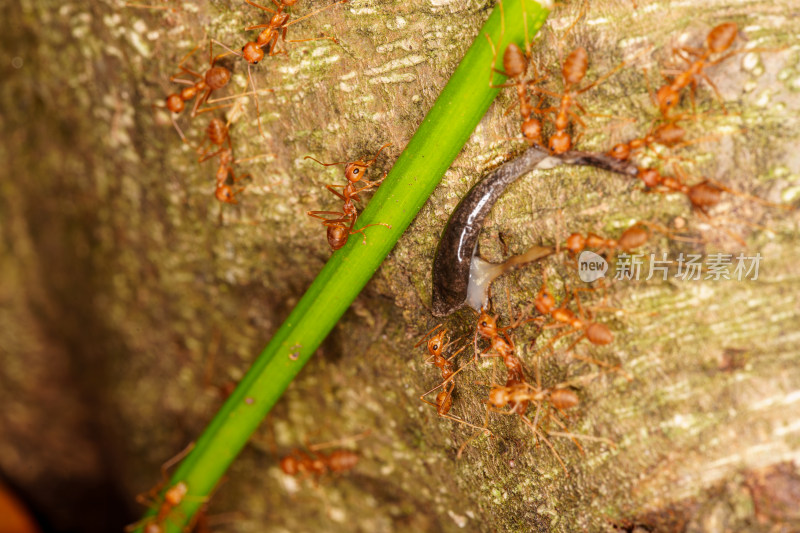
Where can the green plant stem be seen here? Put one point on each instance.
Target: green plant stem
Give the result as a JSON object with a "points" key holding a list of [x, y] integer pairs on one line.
{"points": [[431, 151]]}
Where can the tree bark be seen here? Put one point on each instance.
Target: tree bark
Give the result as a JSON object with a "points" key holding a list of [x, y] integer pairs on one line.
{"points": [[130, 298]]}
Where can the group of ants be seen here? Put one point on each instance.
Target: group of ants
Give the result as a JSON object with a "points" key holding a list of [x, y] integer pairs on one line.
{"points": [[519, 392]]}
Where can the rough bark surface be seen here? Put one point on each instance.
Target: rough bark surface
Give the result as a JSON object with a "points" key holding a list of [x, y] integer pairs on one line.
{"points": [[127, 301]]}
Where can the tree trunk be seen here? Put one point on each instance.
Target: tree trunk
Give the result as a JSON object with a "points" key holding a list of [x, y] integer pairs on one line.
{"points": [[131, 297]]}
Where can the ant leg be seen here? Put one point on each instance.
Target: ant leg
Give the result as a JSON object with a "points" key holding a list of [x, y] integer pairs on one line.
{"points": [[187, 56], [362, 232], [337, 193], [229, 51], [295, 21], [316, 214], [175, 79], [207, 156], [573, 436], [613, 71], [484, 430], [564, 427], [541, 436], [255, 97], [177, 128], [371, 161], [558, 337], [323, 38], [716, 92], [147, 6], [214, 108], [262, 7]]}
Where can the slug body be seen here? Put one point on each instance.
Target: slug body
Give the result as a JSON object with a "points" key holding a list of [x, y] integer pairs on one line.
{"points": [[456, 249]]}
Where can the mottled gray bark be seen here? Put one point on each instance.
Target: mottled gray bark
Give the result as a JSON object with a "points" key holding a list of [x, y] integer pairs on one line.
{"points": [[127, 301]]}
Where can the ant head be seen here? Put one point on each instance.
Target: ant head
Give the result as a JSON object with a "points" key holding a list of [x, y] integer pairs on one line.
{"points": [[176, 493], [337, 236], [225, 194], [175, 103], [667, 99], [252, 53], [436, 343], [575, 243], [621, 151], [288, 3], [532, 130], [289, 465], [355, 171], [560, 142], [487, 324]]}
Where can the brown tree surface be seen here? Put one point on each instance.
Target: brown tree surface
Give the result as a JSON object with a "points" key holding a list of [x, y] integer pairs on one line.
{"points": [[128, 303]]}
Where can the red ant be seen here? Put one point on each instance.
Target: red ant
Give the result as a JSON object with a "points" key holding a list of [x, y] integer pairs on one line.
{"points": [[299, 462], [317, 464], [702, 195], [214, 78], [572, 72], [173, 497], [224, 192], [339, 229], [559, 398], [596, 333], [444, 400], [635, 236], [668, 134], [276, 29], [719, 39], [501, 344], [515, 63]]}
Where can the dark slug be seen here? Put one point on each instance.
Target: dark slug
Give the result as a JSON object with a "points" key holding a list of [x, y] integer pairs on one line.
{"points": [[451, 266]]}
